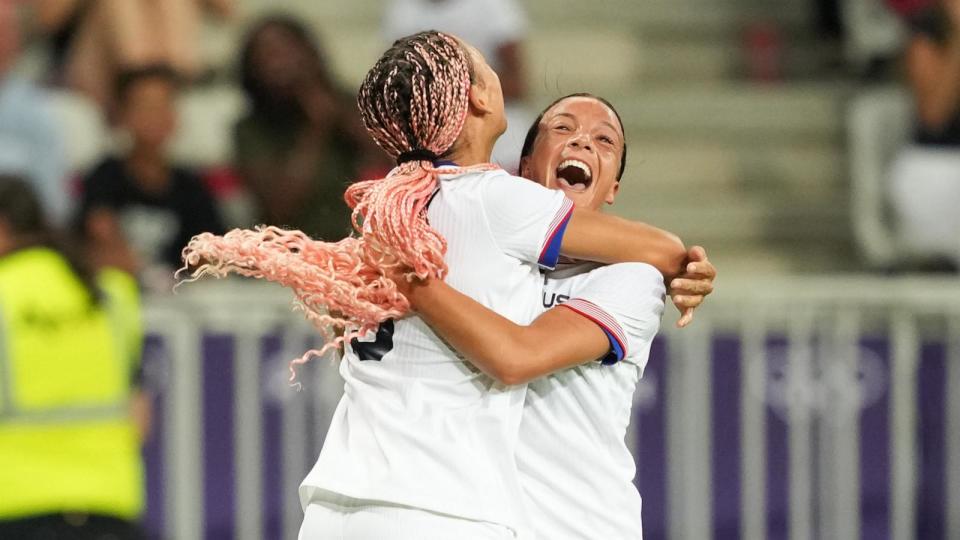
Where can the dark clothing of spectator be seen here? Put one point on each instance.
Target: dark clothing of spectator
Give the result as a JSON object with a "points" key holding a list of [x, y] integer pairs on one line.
{"points": [[73, 526], [263, 142], [157, 224], [934, 25]]}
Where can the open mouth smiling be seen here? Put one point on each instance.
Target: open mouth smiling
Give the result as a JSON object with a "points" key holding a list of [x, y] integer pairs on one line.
{"points": [[574, 175]]}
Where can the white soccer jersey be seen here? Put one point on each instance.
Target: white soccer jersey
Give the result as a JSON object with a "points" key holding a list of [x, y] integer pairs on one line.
{"points": [[575, 468], [417, 425]]}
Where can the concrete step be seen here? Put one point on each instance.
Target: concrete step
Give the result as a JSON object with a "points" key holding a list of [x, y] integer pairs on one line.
{"points": [[673, 57], [677, 15], [796, 113], [681, 14], [653, 39], [367, 13], [560, 59], [737, 216], [817, 171], [734, 259]]}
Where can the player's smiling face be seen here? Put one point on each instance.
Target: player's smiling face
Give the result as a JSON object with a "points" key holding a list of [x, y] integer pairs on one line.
{"points": [[578, 150]]}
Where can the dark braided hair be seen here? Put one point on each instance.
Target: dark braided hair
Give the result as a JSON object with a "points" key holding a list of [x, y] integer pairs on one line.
{"points": [[21, 210], [416, 96]]}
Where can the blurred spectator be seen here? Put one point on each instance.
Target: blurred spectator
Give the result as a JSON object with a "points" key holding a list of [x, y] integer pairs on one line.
{"points": [[302, 142], [30, 143], [828, 19], [94, 40], [497, 28], [873, 36], [71, 418], [926, 176], [138, 210], [933, 64]]}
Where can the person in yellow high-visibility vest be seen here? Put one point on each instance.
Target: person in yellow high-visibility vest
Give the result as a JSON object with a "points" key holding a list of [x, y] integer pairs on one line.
{"points": [[71, 416]]}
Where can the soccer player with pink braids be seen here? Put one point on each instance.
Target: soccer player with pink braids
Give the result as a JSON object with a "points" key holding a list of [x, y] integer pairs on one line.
{"points": [[422, 443]]}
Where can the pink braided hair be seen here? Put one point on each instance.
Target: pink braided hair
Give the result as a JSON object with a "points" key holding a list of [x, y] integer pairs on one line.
{"points": [[414, 102]]}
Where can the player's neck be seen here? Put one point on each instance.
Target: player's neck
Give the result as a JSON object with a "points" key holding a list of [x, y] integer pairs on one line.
{"points": [[473, 147]]}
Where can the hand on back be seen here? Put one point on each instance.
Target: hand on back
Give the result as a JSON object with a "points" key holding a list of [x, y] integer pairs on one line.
{"points": [[689, 289]]}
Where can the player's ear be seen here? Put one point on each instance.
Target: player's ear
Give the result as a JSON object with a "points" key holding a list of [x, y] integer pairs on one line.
{"points": [[612, 194], [525, 167], [480, 98]]}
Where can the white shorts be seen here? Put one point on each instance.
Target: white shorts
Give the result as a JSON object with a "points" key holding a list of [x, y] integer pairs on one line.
{"points": [[335, 517]]}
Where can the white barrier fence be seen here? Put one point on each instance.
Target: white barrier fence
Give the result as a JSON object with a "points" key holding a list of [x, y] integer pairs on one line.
{"points": [[821, 380]]}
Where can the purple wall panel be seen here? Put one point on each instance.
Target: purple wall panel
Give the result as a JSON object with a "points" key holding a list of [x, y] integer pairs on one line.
{"points": [[218, 458], [154, 362], [651, 454], [218, 422], [931, 400], [875, 453], [726, 394], [778, 457], [272, 443]]}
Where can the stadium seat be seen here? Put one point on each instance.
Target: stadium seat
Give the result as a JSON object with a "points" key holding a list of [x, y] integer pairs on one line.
{"points": [[878, 123]]}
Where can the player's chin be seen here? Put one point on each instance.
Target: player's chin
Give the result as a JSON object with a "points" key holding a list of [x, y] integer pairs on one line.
{"points": [[580, 198]]}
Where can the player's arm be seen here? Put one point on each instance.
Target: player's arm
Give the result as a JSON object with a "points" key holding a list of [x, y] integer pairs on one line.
{"points": [[535, 224], [599, 237], [508, 352]]}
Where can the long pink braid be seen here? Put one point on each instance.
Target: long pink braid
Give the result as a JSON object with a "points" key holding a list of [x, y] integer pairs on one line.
{"points": [[415, 98]]}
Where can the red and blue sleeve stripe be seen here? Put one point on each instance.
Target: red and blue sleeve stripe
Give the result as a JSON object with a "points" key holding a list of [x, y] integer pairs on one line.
{"points": [[550, 252], [606, 322]]}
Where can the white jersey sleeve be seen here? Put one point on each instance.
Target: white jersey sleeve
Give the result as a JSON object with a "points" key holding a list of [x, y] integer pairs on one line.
{"points": [[527, 220], [626, 300]]}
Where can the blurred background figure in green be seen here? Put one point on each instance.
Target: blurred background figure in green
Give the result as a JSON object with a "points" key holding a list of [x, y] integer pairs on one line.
{"points": [[71, 416]]}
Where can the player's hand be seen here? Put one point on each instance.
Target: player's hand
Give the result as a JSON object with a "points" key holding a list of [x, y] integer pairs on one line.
{"points": [[403, 278], [404, 285], [689, 289]]}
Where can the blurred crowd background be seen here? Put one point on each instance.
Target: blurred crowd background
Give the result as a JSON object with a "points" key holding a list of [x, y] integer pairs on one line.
{"points": [[143, 122], [816, 137]]}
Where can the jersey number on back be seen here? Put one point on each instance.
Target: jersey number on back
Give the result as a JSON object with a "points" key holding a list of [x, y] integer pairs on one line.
{"points": [[376, 349]]}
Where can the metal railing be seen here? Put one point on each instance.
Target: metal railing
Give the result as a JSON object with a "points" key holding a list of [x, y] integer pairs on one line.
{"points": [[807, 365]]}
